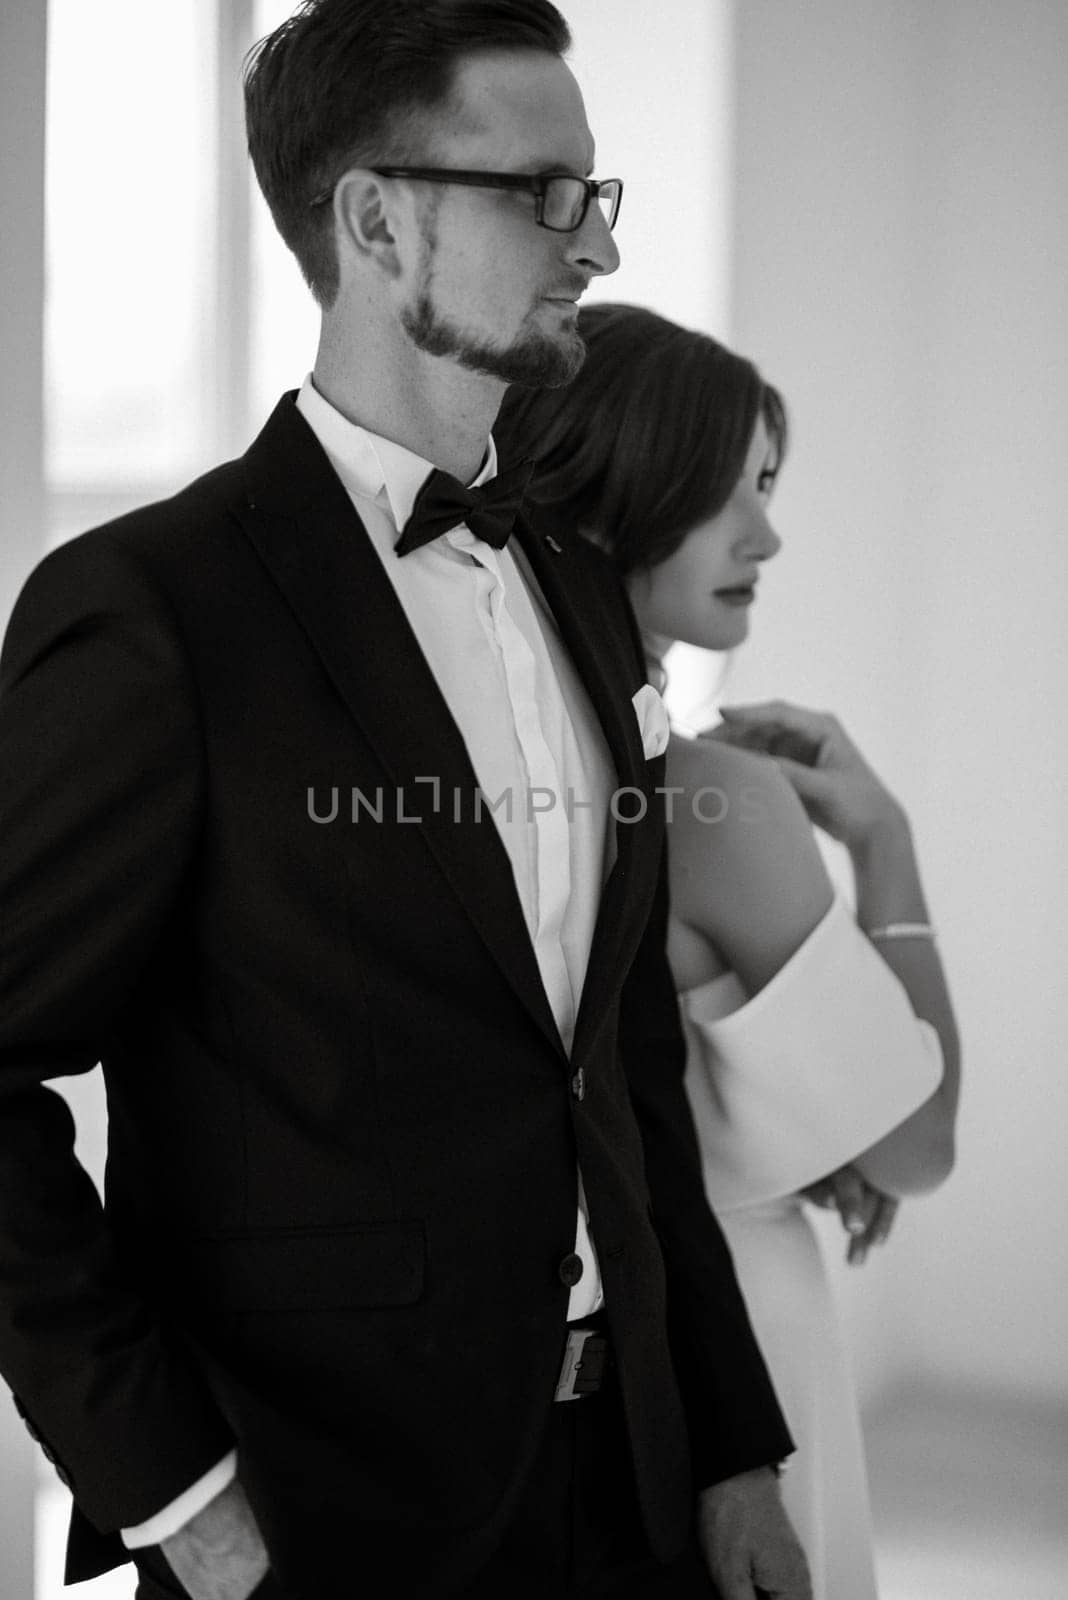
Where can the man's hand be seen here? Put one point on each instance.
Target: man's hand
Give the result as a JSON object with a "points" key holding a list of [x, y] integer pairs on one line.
{"points": [[747, 1541], [219, 1554], [867, 1213]]}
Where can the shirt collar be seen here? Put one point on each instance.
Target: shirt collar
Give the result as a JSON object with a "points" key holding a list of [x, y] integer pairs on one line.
{"points": [[370, 466]]}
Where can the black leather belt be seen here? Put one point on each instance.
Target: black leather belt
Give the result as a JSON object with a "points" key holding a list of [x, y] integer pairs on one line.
{"points": [[587, 1363]]}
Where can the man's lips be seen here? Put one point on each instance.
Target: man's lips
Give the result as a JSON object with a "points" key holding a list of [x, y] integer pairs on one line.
{"points": [[571, 293], [568, 308]]}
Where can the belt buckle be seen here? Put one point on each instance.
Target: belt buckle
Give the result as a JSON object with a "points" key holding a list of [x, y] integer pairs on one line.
{"points": [[570, 1385]]}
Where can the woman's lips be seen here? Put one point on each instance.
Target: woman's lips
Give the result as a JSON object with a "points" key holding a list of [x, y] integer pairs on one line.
{"points": [[741, 594]]}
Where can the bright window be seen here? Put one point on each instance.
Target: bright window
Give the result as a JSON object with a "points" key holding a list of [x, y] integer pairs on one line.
{"points": [[174, 314], [130, 243]]}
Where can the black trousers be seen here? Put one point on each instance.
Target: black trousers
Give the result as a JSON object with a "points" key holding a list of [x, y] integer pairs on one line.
{"points": [[576, 1534]]}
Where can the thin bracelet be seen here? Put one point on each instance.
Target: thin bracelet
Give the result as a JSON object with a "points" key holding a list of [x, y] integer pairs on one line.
{"points": [[902, 930]]}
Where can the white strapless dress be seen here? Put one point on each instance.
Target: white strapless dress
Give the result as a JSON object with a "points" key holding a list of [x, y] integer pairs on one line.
{"points": [[786, 1087]]}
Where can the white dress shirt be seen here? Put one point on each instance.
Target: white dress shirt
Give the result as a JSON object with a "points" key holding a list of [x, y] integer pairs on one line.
{"points": [[532, 736]]}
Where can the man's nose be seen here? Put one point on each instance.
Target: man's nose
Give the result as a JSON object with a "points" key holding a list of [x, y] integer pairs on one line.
{"points": [[593, 246]]}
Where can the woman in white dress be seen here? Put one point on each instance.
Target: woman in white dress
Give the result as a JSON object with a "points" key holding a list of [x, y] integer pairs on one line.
{"points": [[823, 1056]]}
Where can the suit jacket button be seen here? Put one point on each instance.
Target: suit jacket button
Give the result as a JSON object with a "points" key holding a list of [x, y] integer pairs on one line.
{"points": [[578, 1085], [570, 1270]]}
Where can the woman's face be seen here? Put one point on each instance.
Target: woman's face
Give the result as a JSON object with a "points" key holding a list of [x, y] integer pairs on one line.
{"points": [[702, 593]]}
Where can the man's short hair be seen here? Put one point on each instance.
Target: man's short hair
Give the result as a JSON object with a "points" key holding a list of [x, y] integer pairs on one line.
{"points": [[341, 83]]}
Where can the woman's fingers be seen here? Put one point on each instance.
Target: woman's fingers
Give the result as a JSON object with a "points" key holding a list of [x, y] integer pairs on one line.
{"points": [[809, 782], [850, 1200], [814, 737], [866, 1213], [881, 1219]]}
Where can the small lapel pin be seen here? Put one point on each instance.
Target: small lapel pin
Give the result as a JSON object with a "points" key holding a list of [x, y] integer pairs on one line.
{"points": [[557, 549]]}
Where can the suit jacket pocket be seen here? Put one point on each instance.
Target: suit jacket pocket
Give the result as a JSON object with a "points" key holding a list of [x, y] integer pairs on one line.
{"points": [[314, 1269]]}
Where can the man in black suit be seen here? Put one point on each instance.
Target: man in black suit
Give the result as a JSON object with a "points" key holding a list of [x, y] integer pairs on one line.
{"points": [[330, 828]]}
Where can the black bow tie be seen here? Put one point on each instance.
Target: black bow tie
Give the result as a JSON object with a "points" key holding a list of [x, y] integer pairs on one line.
{"points": [[443, 503]]}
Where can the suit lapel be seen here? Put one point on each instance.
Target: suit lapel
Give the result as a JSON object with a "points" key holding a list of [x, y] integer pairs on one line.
{"points": [[604, 653], [604, 661], [305, 529]]}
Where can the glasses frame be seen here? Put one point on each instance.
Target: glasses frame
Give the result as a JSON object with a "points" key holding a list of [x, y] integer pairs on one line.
{"points": [[536, 184]]}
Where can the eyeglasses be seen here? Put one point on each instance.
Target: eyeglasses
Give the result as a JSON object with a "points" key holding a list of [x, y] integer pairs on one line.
{"points": [[561, 201]]}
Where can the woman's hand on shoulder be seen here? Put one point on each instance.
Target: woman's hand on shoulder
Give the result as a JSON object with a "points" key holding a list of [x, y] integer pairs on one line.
{"points": [[838, 789]]}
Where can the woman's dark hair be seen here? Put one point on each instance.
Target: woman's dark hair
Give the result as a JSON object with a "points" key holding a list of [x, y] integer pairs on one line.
{"points": [[343, 82], [650, 438]]}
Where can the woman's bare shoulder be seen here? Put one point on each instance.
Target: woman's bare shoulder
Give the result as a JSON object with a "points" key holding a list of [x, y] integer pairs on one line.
{"points": [[746, 872], [730, 799]]}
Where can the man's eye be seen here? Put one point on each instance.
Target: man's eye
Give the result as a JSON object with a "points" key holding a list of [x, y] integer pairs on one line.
{"points": [[766, 481]]}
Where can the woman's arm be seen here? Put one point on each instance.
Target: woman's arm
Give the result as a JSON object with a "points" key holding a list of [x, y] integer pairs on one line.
{"points": [[825, 1054], [919, 1153], [842, 795]]}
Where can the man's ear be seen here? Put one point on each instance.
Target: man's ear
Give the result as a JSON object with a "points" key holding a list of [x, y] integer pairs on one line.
{"points": [[366, 219]]}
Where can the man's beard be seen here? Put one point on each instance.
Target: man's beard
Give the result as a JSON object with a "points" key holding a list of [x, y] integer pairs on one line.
{"points": [[533, 359]]}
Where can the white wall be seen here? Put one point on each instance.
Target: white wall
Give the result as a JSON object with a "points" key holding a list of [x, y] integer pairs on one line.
{"points": [[899, 268], [656, 83]]}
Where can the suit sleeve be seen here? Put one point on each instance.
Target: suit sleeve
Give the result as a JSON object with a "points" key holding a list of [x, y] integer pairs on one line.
{"points": [[734, 1418], [101, 775]]}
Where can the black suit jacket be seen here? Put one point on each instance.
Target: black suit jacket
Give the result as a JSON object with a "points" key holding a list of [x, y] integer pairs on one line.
{"points": [[343, 1130]]}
